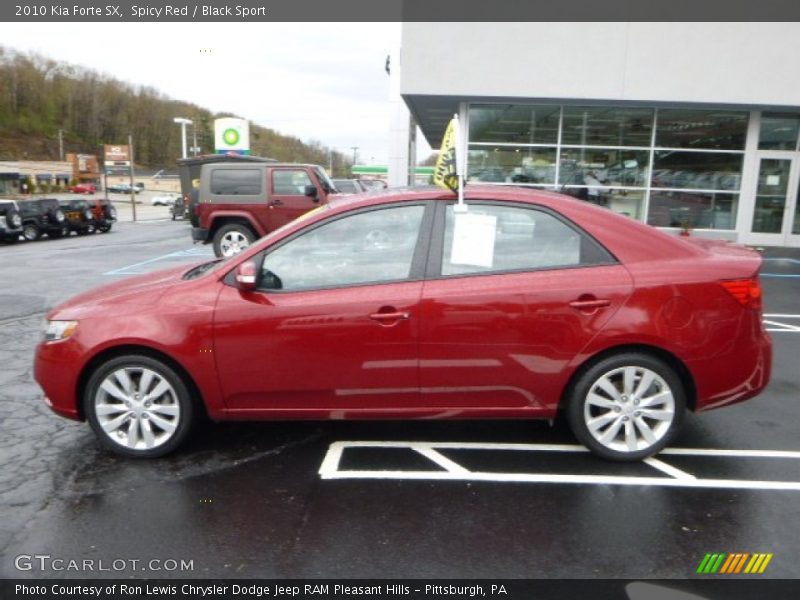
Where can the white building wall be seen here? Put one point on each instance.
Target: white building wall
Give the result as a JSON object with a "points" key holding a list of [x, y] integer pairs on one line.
{"points": [[753, 64]]}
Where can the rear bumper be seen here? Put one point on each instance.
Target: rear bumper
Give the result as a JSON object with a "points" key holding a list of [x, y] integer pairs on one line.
{"points": [[199, 234], [10, 232], [748, 373]]}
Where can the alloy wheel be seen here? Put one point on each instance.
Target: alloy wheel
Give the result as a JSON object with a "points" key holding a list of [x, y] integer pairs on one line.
{"points": [[629, 409], [137, 408]]}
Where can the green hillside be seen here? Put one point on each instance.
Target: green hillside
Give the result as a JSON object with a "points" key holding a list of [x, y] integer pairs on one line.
{"points": [[39, 96]]}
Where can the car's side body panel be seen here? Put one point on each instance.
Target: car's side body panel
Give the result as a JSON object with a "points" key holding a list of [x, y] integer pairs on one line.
{"points": [[318, 355]]}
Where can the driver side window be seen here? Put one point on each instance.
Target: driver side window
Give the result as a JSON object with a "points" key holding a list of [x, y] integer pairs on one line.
{"points": [[369, 247]]}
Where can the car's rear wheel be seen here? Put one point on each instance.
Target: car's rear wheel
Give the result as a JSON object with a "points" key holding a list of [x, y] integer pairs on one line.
{"points": [[231, 239], [104, 227], [138, 406], [31, 232], [627, 407]]}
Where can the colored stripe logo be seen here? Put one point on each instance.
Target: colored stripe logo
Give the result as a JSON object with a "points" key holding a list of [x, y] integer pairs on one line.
{"points": [[734, 563]]}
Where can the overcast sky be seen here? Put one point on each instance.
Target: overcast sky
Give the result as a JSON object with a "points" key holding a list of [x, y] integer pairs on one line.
{"points": [[323, 81]]}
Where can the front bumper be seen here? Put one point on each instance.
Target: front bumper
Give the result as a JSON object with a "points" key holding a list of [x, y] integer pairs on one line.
{"points": [[54, 369], [199, 234]]}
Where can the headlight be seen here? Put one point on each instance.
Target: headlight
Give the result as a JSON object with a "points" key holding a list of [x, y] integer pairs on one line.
{"points": [[88, 214], [16, 220], [59, 215], [59, 330]]}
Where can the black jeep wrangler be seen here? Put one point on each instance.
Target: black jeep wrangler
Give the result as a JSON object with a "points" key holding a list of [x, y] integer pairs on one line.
{"points": [[80, 216], [42, 215], [10, 222]]}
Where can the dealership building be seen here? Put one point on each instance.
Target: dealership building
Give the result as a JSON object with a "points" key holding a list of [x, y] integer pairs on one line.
{"points": [[680, 125]]}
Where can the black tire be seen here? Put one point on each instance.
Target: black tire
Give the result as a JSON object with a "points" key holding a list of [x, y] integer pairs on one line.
{"points": [[181, 397], [625, 411], [31, 232], [231, 228], [104, 228]]}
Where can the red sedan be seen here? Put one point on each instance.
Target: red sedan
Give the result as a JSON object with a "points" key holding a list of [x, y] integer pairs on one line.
{"points": [[83, 188], [402, 306]]}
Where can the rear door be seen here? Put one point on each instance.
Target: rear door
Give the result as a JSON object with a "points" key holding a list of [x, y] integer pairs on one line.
{"points": [[287, 199], [514, 293]]}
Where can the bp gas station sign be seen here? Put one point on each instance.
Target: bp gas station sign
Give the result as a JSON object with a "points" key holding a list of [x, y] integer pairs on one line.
{"points": [[231, 136]]}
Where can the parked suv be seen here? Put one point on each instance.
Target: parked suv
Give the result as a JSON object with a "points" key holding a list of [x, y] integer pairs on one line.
{"points": [[43, 215], [189, 173], [10, 221], [80, 217], [238, 203], [104, 214]]}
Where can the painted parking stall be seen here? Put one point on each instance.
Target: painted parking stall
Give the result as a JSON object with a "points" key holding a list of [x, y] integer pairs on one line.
{"points": [[456, 461]]}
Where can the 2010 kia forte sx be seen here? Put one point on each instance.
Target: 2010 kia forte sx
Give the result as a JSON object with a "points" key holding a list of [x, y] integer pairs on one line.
{"points": [[402, 305]]}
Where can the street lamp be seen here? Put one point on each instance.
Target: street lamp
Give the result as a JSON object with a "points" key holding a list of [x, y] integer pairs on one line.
{"points": [[183, 123]]}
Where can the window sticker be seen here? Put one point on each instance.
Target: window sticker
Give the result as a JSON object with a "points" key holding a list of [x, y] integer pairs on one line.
{"points": [[473, 240]]}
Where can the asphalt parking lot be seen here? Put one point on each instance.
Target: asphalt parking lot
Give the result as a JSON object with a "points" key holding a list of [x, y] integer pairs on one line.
{"points": [[365, 499]]}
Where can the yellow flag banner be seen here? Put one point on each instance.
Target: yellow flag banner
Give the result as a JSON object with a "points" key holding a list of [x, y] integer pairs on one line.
{"points": [[444, 174]]}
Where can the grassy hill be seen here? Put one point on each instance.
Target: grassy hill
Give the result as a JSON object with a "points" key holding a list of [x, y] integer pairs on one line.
{"points": [[39, 96]]}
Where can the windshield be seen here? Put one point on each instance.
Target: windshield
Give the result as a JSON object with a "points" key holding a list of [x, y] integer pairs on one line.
{"points": [[326, 181]]}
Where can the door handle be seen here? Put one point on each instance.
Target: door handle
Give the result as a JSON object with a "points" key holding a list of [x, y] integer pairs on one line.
{"points": [[277, 202], [590, 303], [389, 316]]}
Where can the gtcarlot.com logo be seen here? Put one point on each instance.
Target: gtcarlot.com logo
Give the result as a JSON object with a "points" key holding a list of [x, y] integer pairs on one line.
{"points": [[46, 562], [734, 563]]}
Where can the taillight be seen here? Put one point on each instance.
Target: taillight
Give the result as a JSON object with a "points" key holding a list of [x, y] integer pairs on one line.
{"points": [[746, 292]]}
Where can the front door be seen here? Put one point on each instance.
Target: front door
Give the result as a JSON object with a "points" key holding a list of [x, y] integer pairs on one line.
{"points": [[287, 199], [776, 211], [334, 324]]}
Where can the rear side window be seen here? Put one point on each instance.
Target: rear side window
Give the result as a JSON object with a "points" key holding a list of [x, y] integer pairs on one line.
{"points": [[233, 182], [497, 238]]}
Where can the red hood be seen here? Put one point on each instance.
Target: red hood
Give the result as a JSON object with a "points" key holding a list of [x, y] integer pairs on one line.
{"points": [[141, 289]]}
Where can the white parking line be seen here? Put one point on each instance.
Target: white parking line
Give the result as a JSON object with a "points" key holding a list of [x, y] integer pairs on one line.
{"points": [[452, 471], [782, 327]]}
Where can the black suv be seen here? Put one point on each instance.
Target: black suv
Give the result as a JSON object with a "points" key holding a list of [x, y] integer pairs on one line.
{"points": [[79, 215], [43, 215], [10, 221]]}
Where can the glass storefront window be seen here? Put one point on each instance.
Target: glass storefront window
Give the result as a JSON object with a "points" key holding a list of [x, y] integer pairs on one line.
{"points": [[501, 164], [514, 123], [779, 131], [693, 209], [625, 202], [593, 166], [697, 170], [607, 126], [701, 129]]}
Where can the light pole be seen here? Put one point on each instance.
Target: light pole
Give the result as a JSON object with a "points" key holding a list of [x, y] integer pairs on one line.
{"points": [[183, 123]]}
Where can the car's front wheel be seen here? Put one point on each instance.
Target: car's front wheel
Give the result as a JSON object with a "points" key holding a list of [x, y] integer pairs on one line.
{"points": [[138, 406], [627, 407], [231, 239]]}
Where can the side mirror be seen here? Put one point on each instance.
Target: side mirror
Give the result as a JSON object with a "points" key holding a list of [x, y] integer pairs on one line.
{"points": [[311, 192], [246, 276]]}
